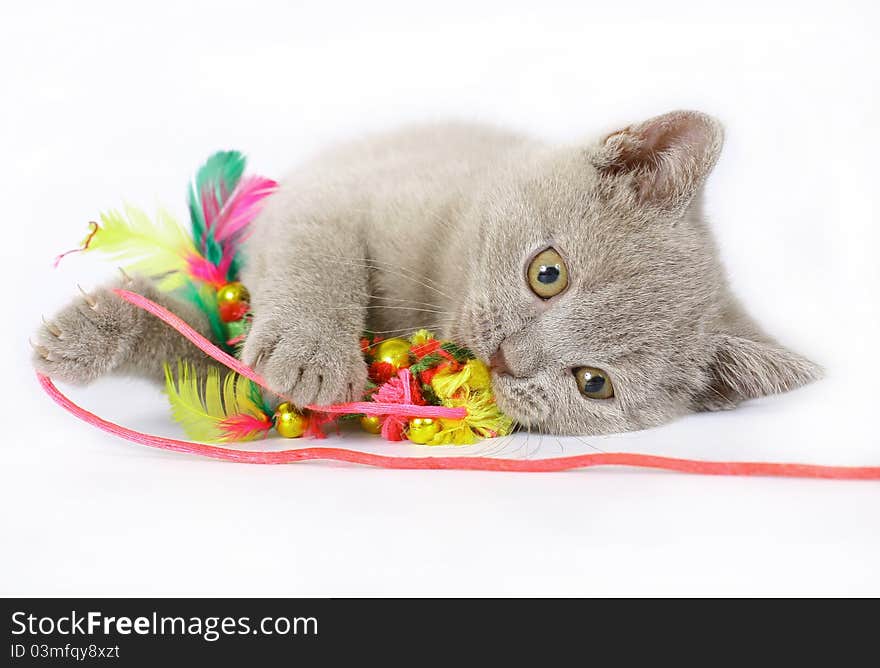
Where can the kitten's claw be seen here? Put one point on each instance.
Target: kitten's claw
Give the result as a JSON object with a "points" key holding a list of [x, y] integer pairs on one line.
{"points": [[52, 329], [42, 351], [91, 301]]}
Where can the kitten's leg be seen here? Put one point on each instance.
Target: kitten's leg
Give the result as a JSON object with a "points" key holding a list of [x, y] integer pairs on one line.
{"points": [[100, 333], [309, 290]]}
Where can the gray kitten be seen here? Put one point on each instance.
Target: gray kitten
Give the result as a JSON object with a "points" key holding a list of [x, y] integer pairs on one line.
{"points": [[585, 275]]}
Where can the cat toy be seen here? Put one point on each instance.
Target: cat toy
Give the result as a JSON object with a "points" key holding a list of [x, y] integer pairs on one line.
{"points": [[426, 390], [421, 389]]}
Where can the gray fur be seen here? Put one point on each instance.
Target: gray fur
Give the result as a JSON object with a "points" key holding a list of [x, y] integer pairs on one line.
{"points": [[99, 333], [434, 226]]}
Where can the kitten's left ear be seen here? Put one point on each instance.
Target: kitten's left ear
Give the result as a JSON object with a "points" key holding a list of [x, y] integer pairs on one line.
{"points": [[747, 367], [663, 161]]}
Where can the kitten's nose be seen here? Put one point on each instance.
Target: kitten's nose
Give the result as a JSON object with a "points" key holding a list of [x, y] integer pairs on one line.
{"points": [[498, 363], [517, 359]]}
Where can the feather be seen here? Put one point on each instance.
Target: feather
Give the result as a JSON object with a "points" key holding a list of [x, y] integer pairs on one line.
{"points": [[213, 185], [153, 249], [207, 272], [212, 411], [236, 217], [243, 427], [205, 299], [222, 205], [243, 206]]}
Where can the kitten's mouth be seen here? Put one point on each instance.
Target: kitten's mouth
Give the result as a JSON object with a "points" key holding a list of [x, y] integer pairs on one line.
{"points": [[498, 363]]}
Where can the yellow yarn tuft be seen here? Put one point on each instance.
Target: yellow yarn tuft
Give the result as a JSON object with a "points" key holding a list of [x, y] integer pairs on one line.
{"points": [[473, 375], [483, 420], [479, 378]]}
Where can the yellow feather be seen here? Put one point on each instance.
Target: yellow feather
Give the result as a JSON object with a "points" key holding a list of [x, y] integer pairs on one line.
{"points": [[213, 401], [200, 407], [243, 396], [152, 249]]}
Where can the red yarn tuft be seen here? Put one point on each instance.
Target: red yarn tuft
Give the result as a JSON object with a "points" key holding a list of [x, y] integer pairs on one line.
{"points": [[425, 348], [316, 421], [381, 372], [428, 374], [393, 428]]}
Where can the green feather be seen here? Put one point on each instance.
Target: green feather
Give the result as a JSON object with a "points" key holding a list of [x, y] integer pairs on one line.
{"points": [[257, 398], [216, 178], [213, 250], [204, 297]]}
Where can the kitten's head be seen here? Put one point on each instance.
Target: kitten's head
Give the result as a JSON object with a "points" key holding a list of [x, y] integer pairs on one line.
{"points": [[596, 293]]}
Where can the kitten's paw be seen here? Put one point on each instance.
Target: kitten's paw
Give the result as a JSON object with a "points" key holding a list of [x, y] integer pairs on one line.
{"points": [[305, 367], [91, 336]]}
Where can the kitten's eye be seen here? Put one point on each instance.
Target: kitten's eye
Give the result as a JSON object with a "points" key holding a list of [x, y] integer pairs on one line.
{"points": [[547, 274], [594, 383]]}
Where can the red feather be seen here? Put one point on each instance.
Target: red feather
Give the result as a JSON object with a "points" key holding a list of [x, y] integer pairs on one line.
{"points": [[243, 427]]}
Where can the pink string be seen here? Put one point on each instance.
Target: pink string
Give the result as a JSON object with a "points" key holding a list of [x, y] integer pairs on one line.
{"points": [[471, 463], [192, 335], [467, 463], [405, 380], [399, 410], [367, 407]]}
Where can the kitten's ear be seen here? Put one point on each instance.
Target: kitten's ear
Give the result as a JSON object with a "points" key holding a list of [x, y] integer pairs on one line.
{"points": [[663, 161], [746, 368]]}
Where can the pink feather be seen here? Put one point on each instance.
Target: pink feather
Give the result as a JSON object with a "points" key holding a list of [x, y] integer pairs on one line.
{"points": [[242, 206], [211, 205], [205, 271], [242, 427], [227, 217]]}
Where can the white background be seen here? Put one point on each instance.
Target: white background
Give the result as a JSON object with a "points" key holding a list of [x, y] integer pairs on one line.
{"points": [[105, 102]]}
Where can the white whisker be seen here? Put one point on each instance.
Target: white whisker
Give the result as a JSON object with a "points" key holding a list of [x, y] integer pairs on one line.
{"points": [[367, 263], [400, 330], [406, 301], [383, 306]]}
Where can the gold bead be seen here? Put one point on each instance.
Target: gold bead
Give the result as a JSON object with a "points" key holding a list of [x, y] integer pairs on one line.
{"points": [[394, 352], [233, 293], [289, 422], [422, 430], [371, 423]]}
